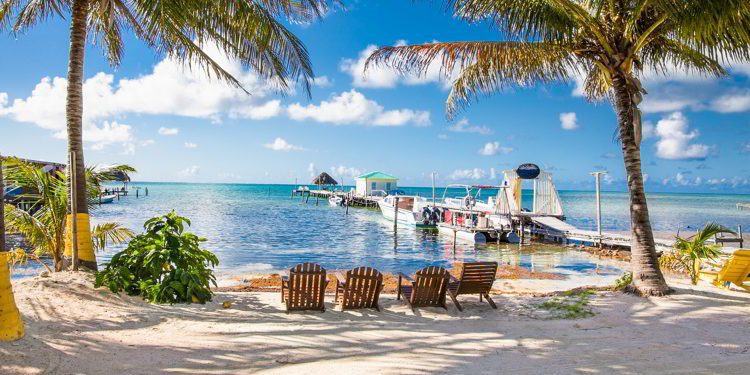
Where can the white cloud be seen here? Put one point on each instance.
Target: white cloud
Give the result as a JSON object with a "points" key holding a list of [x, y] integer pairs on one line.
{"points": [[494, 148], [280, 144], [171, 88], [312, 170], [382, 76], [343, 171], [569, 120], [168, 131], [442, 136], [467, 174], [675, 137], [493, 174], [190, 171], [681, 179], [108, 133], [190, 145], [745, 148], [352, 107], [322, 81], [146, 142], [731, 103], [463, 126]]}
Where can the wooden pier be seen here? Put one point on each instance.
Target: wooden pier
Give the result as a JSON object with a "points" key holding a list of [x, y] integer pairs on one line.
{"points": [[351, 200]]}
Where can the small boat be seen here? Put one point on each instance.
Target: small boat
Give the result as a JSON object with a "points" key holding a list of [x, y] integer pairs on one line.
{"points": [[412, 210], [107, 198], [336, 201]]}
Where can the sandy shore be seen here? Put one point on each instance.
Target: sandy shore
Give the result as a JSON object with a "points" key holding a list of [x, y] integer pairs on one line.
{"points": [[72, 328]]}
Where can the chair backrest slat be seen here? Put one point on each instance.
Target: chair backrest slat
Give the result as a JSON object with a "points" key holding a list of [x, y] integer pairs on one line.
{"points": [[362, 289], [429, 288], [307, 282], [477, 277]]}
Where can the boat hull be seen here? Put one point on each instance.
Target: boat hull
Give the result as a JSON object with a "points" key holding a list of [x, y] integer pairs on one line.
{"points": [[462, 234], [405, 217]]}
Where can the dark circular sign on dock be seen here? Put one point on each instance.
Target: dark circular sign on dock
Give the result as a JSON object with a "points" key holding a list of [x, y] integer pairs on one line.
{"points": [[528, 171]]}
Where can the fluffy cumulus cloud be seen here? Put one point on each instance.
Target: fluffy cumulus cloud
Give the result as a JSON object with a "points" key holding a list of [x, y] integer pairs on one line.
{"points": [[569, 121], [352, 107], [732, 102], [494, 148], [344, 171], [467, 174], [381, 76], [280, 144], [463, 126], [170, 88], [675, 137]]}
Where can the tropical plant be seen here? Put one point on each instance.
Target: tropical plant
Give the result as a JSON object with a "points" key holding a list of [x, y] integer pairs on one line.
{"points": [[247, 30], [42, 222], [608, 42], [165, 264], [689, 253]]}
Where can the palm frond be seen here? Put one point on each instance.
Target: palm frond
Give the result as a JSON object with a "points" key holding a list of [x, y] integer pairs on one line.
{"points": [[664, 54], [110, 234], [485, 67]]}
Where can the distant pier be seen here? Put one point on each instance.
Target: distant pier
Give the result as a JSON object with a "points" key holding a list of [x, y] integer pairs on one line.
{"points": [[351, 199]]}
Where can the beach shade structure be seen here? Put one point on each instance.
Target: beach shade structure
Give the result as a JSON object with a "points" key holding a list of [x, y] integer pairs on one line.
{"points": [[304, 287], [426, 289], [324, 179], [359, 288], [476, 278], [11, 325]]}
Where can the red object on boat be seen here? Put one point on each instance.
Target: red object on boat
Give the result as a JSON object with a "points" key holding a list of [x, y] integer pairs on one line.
{"points": [[447, 216]]}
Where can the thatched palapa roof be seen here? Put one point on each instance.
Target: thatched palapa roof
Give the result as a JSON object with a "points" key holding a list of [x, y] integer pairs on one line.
{"points": [[324, 179]]}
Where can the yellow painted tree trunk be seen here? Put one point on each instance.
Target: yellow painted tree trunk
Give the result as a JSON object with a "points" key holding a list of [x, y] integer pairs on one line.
{"points": [[74, 115], [11, 325]]}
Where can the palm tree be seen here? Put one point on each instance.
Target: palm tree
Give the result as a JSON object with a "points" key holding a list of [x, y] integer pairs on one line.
{"points": [[610, 43], [689, 253], [247, 30], [43, 223]]}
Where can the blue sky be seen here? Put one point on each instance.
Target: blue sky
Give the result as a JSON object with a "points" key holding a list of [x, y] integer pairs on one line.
{"points": [[176, 125]]}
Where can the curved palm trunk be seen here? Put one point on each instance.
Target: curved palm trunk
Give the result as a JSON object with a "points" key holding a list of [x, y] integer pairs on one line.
{"points": [[74, 116], [11, 325], [647, 277]]}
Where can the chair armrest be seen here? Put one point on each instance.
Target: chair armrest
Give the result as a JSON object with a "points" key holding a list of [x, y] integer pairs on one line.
{"points": [[284, 279], [340, 277], [453, 279]]}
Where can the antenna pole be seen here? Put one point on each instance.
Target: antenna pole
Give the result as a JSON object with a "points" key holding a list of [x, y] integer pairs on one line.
{"points": [[597, 176]]}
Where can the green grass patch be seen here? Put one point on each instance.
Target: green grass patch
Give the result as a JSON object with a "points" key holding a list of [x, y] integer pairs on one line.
{"points": [[572, 304]]}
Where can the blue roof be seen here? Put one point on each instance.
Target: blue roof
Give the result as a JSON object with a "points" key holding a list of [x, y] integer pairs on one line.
{"points": [[378, 176]]}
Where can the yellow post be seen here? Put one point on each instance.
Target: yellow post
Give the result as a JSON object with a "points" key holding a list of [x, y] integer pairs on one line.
{"points": [[86, 256], [11, 325]]}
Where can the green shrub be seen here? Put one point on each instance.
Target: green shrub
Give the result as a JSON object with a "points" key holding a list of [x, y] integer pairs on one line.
{"points": [[163, 265], [572, 304]]}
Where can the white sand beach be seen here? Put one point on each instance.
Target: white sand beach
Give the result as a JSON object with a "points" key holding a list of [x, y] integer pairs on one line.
{"points": [[72, 328]]}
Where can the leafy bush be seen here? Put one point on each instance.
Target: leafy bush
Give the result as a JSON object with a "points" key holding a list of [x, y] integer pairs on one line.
{"points": [[624, 280], [163, 265]]}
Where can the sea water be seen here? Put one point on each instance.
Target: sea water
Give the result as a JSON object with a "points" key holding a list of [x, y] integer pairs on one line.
{"points": [[257, 228]]}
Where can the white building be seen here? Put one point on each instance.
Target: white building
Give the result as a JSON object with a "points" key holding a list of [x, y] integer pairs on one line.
{"points": [[369, 182]]}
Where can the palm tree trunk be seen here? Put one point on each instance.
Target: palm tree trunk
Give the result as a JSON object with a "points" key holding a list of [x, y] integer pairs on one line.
{"points": [[74, 115], [647, 277]]}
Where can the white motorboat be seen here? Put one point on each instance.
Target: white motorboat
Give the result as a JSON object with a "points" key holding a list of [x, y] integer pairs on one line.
{"points": [[412, 210], [336, 201], [107, 198]]}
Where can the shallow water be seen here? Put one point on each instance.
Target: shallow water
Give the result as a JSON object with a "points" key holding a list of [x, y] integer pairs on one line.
{"points": [[260, 228]]}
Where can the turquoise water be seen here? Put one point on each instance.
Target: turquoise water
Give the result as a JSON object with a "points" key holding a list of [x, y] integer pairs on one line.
{"points": [[260, 228]]}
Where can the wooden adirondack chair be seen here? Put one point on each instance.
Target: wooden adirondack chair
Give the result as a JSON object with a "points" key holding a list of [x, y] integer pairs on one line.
{"points": [[359, 288], [735, 271], [304, 287], [428, 287], [476, 278]]}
